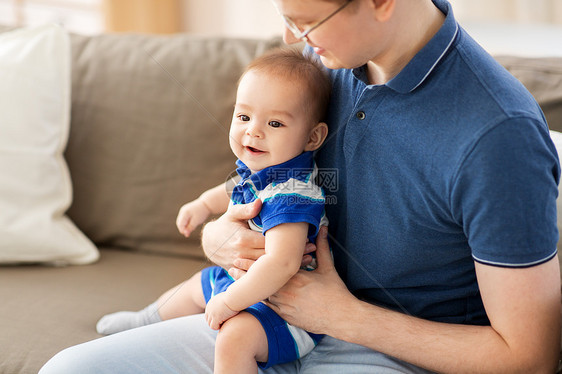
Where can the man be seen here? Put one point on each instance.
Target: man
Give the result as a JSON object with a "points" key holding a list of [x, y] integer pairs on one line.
{"points": [[443, 159]]}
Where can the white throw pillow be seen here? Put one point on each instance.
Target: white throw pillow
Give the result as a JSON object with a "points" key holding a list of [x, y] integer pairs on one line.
{"points": [[35, 188]]}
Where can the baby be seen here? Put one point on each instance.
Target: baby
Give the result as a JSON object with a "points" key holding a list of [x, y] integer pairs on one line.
{"points": [[277, 123]]}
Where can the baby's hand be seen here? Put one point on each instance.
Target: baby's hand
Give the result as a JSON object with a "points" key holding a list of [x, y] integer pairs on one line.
{"points": [[217, 312], [192, 215]]}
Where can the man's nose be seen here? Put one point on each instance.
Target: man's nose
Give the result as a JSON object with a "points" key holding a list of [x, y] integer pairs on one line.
{"points": [[289, 37]]}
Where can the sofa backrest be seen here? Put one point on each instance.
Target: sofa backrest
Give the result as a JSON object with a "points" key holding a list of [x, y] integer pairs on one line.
{"points": [[543, 78], [149, 132]]}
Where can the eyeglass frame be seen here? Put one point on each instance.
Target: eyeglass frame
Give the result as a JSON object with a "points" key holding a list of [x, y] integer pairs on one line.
{"points": [[303, 35]]}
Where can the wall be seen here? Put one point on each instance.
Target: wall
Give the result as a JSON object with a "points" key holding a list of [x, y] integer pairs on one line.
{"points": [[518, 11], [241, 18], [254, 18]]}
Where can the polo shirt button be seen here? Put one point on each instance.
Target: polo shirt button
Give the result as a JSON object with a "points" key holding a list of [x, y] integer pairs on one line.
{"points": [[360, 115]]}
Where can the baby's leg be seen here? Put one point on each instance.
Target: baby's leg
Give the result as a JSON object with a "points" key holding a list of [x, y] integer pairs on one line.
{"points": [[185, 299], [240, 343], [182, 300]]}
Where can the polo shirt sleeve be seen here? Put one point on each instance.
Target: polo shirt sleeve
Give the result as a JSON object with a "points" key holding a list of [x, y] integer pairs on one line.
{"points": [[504, 194], [291, 202]]}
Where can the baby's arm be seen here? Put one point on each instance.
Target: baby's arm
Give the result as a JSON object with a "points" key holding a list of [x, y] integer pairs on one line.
{"points": [[192, 214], [284, 248]]}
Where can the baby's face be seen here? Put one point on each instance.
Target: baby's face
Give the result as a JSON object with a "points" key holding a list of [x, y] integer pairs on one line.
{"points": [[270, 124]]}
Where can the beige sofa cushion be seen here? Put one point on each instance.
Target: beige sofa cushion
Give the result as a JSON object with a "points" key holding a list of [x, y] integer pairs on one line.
{"points": [[45, 310], [150, 120]]}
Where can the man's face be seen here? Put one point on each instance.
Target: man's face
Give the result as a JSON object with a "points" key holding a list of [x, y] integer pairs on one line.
{"points": [[343, 41]]}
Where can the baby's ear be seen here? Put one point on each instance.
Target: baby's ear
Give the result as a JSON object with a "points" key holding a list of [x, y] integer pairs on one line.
{"points": [[317, 136]]}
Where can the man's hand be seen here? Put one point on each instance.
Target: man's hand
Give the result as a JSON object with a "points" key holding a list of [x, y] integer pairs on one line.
{"points": [[229, 242], [310, 294], [217, 312]]}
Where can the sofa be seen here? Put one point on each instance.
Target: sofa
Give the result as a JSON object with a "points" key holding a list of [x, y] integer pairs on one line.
{"points": [[148, 132]]}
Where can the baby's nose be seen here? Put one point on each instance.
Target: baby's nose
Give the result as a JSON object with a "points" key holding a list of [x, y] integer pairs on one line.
{"points": [[254, 130]]}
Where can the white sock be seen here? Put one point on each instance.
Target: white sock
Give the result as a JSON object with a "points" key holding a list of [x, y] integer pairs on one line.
{"points": [[121, 321]]}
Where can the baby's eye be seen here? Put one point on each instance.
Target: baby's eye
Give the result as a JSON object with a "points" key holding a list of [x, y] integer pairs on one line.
{"points": [[275, 124], [243, 117]]}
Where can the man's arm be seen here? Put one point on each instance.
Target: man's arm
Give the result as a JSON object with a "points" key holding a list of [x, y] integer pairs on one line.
{"points": [[523, 306]]}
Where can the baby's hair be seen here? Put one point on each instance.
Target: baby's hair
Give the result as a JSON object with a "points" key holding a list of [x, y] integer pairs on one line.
{"points": [[291, 64]]}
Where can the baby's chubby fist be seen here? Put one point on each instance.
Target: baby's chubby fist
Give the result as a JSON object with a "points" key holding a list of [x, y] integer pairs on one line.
{"points": [[192, 215], [217, 312]]}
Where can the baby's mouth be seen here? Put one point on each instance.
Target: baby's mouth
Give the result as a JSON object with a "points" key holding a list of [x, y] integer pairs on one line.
{"points": [[254, 150]]}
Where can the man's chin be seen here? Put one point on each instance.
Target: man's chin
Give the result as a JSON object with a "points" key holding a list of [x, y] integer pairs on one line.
{"points": [[333, 64], [330, 63]]}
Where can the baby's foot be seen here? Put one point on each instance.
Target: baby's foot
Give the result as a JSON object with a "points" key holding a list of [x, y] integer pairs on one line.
{"points": [[121, 321]]}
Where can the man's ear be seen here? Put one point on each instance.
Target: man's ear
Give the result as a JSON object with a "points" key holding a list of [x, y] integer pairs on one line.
{"points": [[383, 9], [317, 136]]}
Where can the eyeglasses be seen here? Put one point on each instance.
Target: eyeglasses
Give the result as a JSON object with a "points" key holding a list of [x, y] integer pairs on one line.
{"points": [[303, 35]]}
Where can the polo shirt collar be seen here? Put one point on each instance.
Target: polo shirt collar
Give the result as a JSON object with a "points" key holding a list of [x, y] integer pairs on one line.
{"points": [[423, 63], [277, 173]]}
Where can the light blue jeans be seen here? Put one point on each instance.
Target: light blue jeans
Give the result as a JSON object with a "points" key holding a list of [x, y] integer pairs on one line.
{"points": [[186, 345]]}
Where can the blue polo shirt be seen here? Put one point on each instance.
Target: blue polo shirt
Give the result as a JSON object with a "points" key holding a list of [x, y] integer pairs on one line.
{"points": [[288, 192], [448, 163]]}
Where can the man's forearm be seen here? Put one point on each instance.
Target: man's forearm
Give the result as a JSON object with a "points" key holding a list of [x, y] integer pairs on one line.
{"points": [[440, 347], [431, 345]]}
